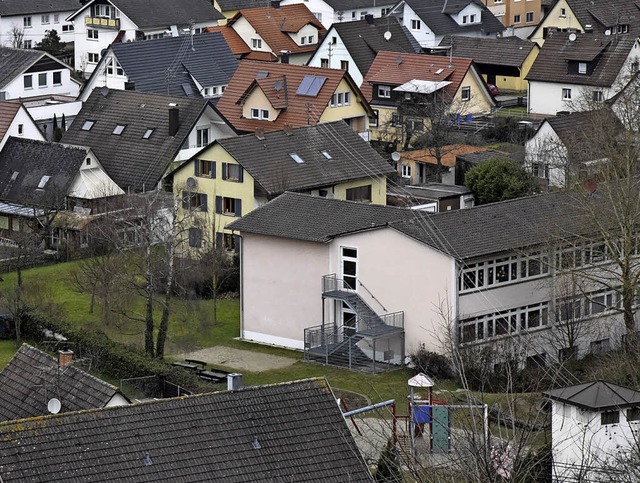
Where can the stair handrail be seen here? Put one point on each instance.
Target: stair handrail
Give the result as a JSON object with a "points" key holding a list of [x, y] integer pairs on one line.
{"points": [[372, 296]]}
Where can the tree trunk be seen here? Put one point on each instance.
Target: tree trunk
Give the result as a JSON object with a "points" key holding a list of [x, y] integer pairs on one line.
{"points": [[149, 323], [166, 310]]}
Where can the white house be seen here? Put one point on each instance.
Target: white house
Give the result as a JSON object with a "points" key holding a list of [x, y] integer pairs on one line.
{"points": [[24, 23], [594, 432], [330, 12], [99, 23], [16, 121]]}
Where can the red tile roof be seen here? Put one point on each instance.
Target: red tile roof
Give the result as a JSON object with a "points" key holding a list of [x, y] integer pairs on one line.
{"points": [[395, 69], [235, 42], [297, 110], [275, 24], [448, 158], [8, 111]]}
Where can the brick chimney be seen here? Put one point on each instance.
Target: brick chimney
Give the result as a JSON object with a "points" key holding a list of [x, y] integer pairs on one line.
{"points": [[288, 130], [260, 133], [65, 357], [174, 121]]}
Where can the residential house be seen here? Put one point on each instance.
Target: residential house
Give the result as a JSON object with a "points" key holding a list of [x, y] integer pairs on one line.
{"points": [[430, 20], [331, 12], [352, 46], [574, 72], [137, 136], [233, 176], [503, 62], [290, 33], [270, 96], [495, 273], [561, 151], [237, 46], [99, 24], [33, 378], [617, 17], [401, 88], [283, 432], [15, 120], [431, 197], [594, 428], [520, 18], [42, 83], [40, 179], [188, 66], [24, 23]]}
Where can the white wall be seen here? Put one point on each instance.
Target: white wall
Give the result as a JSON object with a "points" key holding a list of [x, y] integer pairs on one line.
{"points": [[319, 8], [218, 129], [22, 122], [546, 148], [336, 53], [424, 36], [246, 31], [68, 87], [36, 32]]}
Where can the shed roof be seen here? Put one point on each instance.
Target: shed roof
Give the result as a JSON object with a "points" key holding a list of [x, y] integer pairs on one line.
{"points": [[596, 395], [505, 51]]}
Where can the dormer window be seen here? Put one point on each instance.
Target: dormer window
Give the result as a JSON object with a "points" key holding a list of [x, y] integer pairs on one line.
{"points": [[256, 43], [415, 24], [262, 114], [582, 67], [384, 92], [623, 29]]}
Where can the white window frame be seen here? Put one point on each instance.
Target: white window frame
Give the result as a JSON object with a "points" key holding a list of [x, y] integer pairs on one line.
{"points": [[256, 43], [416, 24], [582, 67], [26, 22], [93, 58], [566, 94], [92, 34], [405, 170], [45, 19], [384, 92], [517, 18], [202, 137], [465, 93], [529, 15]]}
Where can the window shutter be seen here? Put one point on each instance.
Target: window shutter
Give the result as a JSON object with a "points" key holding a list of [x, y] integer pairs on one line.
{"points": [[224, 170], [203, 199], [219, 241], [196, 167], [218, 204], [213, 169], [240, 174], [238, 207], [185, 200]]}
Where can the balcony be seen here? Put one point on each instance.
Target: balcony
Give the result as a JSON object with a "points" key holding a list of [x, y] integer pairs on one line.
{"points": [[103, 22]]}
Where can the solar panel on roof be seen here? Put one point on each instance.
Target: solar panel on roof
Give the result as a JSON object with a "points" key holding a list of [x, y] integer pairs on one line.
{"points": [[311, 85]]}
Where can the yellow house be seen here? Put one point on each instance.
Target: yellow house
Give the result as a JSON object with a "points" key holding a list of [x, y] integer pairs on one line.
{"points": [[271, 96], [233, 176], [401, 87]]}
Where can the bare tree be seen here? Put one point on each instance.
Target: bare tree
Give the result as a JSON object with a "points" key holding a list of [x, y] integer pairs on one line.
{"points": [[16, 34]]}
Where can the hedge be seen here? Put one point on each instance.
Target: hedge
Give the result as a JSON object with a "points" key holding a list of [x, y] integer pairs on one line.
{"points": [[107, 357]]}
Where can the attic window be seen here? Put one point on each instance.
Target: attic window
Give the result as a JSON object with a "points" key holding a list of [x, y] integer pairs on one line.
{"points": [[296, 158], [119, 129], [43, 182], [147, 134], [88, 125], [326, 154], [311, 85]]}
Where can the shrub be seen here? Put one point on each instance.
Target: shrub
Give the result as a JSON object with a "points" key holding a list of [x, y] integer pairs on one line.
{"points": [[431, 363], [389, 470]]}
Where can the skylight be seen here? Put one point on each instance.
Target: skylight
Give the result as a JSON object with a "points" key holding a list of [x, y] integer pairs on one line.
{"points": [[296, 158], [147, 134], [311, 85], [439, 71], [88, 125], [43, 182], [326, 154], [14, 176], [119, 129], [262, 74]]}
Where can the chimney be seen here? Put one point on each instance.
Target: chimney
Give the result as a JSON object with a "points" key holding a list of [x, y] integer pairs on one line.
{"points": [[369, 18], [234, 382], [288, 130], [174, 120], [129, 86], [65, 357], [275, 4], [260, 133], [284, 57]]}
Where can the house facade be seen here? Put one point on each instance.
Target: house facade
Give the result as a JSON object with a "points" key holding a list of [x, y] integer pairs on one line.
{"points": [[330, 12], [24, 23], [16, 121]]}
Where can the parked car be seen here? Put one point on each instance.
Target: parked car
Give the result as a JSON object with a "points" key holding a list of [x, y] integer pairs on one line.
{"points": [[493, 89]]}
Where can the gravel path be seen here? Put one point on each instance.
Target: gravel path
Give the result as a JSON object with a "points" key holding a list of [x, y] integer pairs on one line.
{"points": [[239, 360]]}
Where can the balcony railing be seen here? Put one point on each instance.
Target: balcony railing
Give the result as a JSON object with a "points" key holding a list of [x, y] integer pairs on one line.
{"points": [[104, 22]]}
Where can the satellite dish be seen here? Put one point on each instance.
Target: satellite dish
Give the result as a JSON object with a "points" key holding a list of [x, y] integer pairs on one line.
{"points": [[54, 406], [191, 182], [395, 156], [387, 35], [572, 37]]}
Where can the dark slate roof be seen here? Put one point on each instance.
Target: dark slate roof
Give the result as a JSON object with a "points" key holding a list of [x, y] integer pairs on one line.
{"points": [[231, 5], [150, 14], [507, 51], [364, 40], [32, 378], [315, 219], [605, 14], [441, 23], [342, 5], [597, 395], [32, 160], [429, 191], [608, 52], [284, 432], [128, 159], [478, 157], [209, 61], [269, 161], [14, 62], [21, 7]]}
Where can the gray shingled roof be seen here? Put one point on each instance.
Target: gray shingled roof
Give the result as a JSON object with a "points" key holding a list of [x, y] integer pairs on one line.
{"points": [[364, 40], [342, 5], [431, 13], [230, 5], [602, 15], [609, 54], [32, 378], [31, 161], [21, 7], [14, 62], [507, 51], [269, 160], [597, 395], [315, 219], [209, 60], [131, 161], [482, 156], [151, 14], [290, 432]]}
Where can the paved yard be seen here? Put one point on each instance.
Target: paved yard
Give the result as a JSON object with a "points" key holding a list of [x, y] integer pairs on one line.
{"points": [[239, 360]]}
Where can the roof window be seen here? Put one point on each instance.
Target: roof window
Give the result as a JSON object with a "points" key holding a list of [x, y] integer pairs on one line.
{"points": [[326, 154], [88, 124], [119, 129], [296, 158], [43, 182], [147, 134]]}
